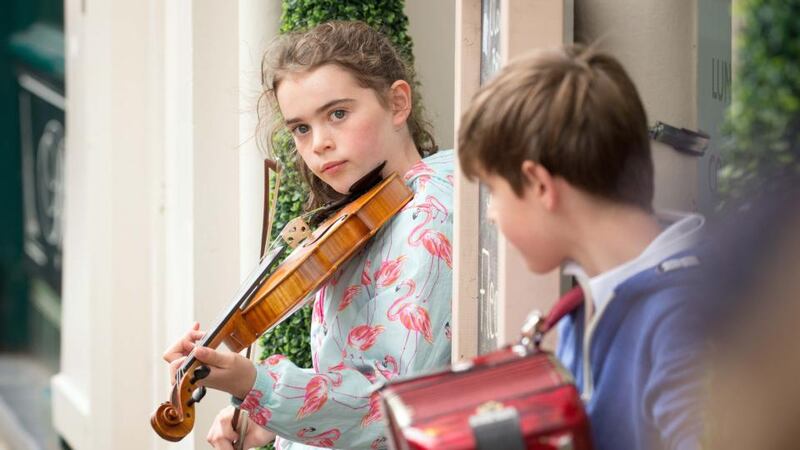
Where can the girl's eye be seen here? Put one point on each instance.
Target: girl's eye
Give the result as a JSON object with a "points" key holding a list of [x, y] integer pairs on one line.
{"points": [[300, 130], [338, 114]]}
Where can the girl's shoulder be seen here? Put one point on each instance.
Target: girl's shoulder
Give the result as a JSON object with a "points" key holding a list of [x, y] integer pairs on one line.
{"points": [[431, 179], [439, 166], [442, 158]]}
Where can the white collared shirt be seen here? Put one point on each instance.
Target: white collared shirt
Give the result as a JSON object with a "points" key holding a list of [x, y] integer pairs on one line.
{"points": [[682, 232]]}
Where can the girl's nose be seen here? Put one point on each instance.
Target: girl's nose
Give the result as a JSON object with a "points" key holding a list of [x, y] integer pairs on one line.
{"points": [[322, 141]]}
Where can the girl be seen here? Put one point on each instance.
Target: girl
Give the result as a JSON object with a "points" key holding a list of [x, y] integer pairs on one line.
{"points": [[347, 99]]}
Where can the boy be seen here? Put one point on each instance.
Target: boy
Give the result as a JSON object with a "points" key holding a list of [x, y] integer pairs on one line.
{"points": [[560, 138]]}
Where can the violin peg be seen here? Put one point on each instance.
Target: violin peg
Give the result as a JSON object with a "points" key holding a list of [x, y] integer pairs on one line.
{"points": [[197, 395], [199, 373], [295, 232]]}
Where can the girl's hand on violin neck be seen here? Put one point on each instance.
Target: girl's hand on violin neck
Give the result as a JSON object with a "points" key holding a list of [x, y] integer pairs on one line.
{"points": [[177, 352], [230, 372], [222, 436]]}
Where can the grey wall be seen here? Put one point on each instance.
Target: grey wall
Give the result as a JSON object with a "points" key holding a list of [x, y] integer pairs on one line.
{"points": [[432, 27], [656, 41]]}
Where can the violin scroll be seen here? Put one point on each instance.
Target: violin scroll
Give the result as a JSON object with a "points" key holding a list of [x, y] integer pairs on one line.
{"points": [[174, 419], [171, 424]]}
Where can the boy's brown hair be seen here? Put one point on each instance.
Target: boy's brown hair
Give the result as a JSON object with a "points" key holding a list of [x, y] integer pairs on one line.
{"points": [[367, 54], [574, 111]]}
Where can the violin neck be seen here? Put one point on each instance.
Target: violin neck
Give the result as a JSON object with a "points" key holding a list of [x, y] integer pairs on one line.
{"points": [[240, 301]]}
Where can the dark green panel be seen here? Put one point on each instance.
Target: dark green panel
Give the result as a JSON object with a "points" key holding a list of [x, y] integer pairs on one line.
{"points": [[31, 41]]}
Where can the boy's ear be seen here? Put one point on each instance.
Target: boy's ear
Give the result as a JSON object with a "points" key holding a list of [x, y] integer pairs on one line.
{"points": [[400, 101], [540, 184]]}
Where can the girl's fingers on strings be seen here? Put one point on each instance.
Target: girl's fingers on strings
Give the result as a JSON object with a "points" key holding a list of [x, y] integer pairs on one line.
{"points": [[185, 345], [213, 357], [173, 368], [193, 335]]}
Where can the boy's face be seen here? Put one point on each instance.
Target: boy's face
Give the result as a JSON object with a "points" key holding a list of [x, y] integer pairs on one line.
{"points": [[526, 221], [340, 129]]}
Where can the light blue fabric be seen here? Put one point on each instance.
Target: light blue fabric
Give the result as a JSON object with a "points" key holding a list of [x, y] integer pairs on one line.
{"points": [[385, 313]]}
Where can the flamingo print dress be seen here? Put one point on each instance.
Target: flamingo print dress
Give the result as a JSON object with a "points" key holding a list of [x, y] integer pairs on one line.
{"points": [[385, 313]]}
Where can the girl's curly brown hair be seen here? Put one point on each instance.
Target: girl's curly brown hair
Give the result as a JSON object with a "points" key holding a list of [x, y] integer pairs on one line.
{"points": [[355, 47]]}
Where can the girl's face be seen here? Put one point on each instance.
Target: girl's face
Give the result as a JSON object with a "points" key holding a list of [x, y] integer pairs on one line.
{"points": [[340, 129]]}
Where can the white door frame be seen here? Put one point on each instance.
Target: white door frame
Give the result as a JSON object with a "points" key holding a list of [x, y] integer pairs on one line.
{"points": [[163, 200], [524, 25]]}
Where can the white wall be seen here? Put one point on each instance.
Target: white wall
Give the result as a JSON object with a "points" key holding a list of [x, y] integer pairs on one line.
{"points": [[111, 223], [163, 201]]}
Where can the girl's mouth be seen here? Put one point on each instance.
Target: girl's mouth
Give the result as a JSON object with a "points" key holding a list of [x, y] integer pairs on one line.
{"points": [[332, 167]]}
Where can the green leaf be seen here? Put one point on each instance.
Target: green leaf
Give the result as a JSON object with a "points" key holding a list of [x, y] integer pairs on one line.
{"points": [[762, 125]]}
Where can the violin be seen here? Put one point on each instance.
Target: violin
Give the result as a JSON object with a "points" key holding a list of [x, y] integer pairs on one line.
{"points": [[264, 301]]}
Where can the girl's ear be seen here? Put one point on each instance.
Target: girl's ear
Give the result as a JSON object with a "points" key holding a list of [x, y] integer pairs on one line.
{"points": [[400, 102], [541, 184]]}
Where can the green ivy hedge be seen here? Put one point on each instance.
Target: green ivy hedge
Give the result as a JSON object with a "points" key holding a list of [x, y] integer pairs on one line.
{"points": [[384, 15], [292, 337], [763, 123]]}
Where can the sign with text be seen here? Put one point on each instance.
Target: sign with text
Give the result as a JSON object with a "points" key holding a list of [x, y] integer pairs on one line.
{"points": [[713, 90]]}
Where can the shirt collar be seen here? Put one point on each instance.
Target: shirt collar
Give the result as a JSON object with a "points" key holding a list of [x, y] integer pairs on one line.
{"points": [[681, 233]]}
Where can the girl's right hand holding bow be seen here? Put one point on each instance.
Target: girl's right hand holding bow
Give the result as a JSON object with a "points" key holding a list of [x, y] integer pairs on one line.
{"points": [[222, 436]]}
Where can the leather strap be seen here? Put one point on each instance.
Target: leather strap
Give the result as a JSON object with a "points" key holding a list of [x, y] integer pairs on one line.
{"points": [[566, 304]]}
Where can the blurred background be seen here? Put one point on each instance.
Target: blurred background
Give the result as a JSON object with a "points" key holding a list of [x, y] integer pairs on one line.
{"points": [[31, 194]]}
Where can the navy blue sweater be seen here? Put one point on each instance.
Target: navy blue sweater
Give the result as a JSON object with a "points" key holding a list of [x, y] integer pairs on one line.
{"points": [[645, 357]]}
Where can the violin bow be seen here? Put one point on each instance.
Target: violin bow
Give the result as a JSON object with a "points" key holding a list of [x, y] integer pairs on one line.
{"points": [[266, 232]]}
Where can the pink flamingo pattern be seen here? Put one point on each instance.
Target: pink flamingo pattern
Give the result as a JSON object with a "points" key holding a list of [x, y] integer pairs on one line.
{"points": [[258, 414], [364, 336], [274, 359], [349, 294], [261, 416], [325, 439], [385, 315], [435, 242], [414, 318], [389, 271], [422, 172], [316, 394], [388, 367], [317, 314], [374, 413], [378, 443]]}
